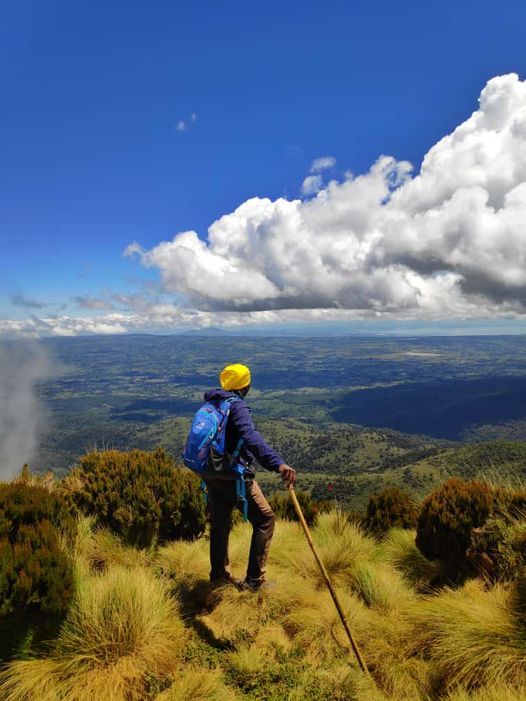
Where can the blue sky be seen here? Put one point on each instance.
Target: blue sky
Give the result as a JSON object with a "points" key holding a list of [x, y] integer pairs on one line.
{"points": [[92, 159]]}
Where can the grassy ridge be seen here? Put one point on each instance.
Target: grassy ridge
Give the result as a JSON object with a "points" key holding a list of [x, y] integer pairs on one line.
{"points": [[146, 626], [355, 462]]}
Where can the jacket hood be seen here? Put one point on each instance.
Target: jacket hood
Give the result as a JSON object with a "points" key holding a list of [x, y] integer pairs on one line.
{"points": [[218, 394]]}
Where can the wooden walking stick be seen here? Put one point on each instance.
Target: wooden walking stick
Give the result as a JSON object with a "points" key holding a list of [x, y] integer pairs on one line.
{"points": [[328, 582]]}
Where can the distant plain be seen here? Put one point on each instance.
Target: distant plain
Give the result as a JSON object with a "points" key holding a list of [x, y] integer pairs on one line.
{"points": [[338, 408]]}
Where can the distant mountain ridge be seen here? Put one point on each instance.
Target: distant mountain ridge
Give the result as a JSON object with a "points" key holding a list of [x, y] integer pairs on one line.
{"points": [[210, 331]]}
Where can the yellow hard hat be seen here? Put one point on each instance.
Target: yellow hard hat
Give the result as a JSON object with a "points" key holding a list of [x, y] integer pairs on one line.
{"points": [[234, 376]]}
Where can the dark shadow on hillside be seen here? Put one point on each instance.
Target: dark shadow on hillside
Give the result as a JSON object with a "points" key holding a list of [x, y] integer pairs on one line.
{"points": [[150, 410], [27, 633], [443, 409], [195, 596], [199, 597]]}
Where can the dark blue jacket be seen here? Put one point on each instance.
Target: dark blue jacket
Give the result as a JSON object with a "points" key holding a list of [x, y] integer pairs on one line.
{"points": [[240, 425]]}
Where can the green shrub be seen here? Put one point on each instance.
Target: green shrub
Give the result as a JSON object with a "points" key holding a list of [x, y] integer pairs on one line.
{"points": [[392, 508], [498, 549], [283, 507], [516, 504], [447, 520], [35, 570], [142, 496]]}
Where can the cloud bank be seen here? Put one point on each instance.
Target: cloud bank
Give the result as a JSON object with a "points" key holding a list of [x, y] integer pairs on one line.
{"points": [[161, 317], [449, 241]]}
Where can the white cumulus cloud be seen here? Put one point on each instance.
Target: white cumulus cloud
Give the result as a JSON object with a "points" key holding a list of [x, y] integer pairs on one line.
{"points": [[311, 185], [322, 163], [450, 240]]}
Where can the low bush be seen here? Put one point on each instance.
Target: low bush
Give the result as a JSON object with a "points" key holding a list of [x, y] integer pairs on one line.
{"points": [[447, 520], [142, 496], [35, 569], [283, 507], [392, 508], [198, 685], [516, 506], [498, 549]]}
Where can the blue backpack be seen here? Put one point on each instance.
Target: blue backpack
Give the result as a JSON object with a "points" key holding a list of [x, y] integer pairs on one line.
{"points": [[205, 453]]}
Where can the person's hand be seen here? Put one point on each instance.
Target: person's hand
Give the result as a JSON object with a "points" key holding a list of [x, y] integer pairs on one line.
{"points": [[288, 475]]}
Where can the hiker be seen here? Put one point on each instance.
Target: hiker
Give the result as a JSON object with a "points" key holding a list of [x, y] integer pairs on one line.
{"points": [[247, 446]]}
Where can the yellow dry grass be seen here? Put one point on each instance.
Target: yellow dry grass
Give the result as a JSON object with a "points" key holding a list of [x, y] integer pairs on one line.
{"points": [[496, 693], [338, 683], [125, 627], [475, 635], [470, 637], [184, 560], [97, 549], [122, 627], [399, 550]]}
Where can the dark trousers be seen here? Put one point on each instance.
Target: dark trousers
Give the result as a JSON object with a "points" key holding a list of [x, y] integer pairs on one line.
{"points": [[221, 501]]}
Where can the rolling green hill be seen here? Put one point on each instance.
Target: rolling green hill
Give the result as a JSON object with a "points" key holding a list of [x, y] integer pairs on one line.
{"points": [[339, 461], [499, 461], [356, 413]]}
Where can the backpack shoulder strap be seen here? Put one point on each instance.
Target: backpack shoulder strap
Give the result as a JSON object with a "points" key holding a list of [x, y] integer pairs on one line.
{"points": [[225, 405], [233, 399]]}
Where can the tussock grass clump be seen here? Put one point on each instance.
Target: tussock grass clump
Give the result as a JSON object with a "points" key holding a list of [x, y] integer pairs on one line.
{"points": [[399, 550], [475, 636], [123, 613], [342, 546], [123, 626], [353, 561], [315, 628], [32, 680], [392, 652], [184, 561], [339, 683], [381, 587], [239, 616], [496, 693], [98, 549], [185, 566]]}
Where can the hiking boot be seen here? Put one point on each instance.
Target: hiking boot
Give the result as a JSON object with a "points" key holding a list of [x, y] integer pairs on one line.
{"points": [[255, 585], [225, 581]]}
